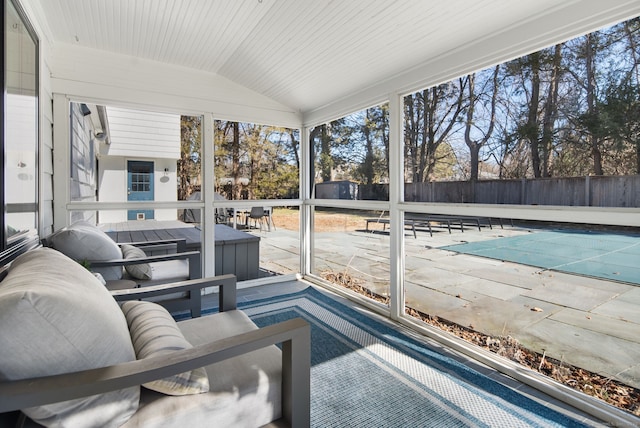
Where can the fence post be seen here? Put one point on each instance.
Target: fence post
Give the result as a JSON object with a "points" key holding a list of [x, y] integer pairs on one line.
{"points": [[523, 190], [587, 194]]}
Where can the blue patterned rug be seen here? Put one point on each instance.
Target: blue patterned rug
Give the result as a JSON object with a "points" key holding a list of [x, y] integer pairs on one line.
{"points": [[365, 373]]}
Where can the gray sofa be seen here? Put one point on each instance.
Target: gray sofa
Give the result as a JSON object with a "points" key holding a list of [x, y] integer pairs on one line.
{"points": [[146, 263], [73, 354], [136, 264]]}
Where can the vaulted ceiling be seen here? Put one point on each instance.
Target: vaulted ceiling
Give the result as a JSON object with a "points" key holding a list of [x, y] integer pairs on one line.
{"points": [[308, 54]]}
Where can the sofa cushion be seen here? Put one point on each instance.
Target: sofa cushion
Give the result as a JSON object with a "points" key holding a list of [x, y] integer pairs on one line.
{"points": [[56, 317], [154, 332], [243, 391], [84, 241], [140, 271]]}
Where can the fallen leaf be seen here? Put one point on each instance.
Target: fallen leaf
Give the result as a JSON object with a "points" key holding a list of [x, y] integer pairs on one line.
{"points": [[537, 309]]}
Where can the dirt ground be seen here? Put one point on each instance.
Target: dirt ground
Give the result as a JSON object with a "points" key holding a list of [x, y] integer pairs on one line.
{"points": [[289, 219], [612, 392]]}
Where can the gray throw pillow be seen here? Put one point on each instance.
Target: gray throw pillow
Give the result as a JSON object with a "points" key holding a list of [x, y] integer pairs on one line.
{"points": [[56, 317], [84, 241], [139, 271], [154, 332]]}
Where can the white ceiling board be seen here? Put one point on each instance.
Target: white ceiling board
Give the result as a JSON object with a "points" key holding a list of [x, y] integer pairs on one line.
{"points": [[311, 54]]}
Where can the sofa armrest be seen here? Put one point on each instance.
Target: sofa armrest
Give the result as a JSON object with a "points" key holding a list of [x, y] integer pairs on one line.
{"points": [[226, 295], [178, 244], [294, 335]]}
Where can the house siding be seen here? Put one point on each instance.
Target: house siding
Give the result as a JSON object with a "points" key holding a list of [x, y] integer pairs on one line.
{"points": [[143, 134]]}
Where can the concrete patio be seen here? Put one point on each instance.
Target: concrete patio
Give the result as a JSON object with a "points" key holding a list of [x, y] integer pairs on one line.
{"points": [[582, 321]]}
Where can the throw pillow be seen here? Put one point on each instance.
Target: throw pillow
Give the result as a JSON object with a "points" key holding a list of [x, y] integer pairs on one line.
{"points": [[139, 271], [84, 241], [154, 332], [56, 317]]}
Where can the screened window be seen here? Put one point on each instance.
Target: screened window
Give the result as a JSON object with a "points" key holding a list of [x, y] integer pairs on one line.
{"points": [[19, 137]]}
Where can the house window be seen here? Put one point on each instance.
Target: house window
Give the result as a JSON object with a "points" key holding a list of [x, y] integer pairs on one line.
{"points": [[19, 136]]}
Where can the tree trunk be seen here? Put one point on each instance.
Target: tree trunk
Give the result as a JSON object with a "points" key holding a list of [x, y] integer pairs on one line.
{"points": [[368, 158], [633, 49], [531, 130], [326, 165], [411, 137], [235, 165], [294, 148], [551, 112], [476, 145], [592, 110]]}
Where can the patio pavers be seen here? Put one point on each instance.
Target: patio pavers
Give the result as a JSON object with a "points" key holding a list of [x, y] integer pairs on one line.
{"points": [[624, 307], [488, 288], [598, 352], [596, 322], [570, 295]]}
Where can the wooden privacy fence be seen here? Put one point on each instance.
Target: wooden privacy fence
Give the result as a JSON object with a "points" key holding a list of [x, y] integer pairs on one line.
{"points": [[597, 191]]}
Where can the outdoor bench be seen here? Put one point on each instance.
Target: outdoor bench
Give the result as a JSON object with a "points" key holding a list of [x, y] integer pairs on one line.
{"points": [[417, 221], [385, 221]]}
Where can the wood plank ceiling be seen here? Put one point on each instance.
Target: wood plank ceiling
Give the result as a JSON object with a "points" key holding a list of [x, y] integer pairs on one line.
{"points": [[302, 53]]}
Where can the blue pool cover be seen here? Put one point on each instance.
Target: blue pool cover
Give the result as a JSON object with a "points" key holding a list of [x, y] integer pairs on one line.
{"points": [[612, 256]]}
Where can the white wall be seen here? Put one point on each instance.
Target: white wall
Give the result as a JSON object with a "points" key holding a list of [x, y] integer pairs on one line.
{"points": [[137, 133], [113, 187]]}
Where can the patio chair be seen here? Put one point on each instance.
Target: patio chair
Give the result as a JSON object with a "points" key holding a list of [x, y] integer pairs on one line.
{"points": [[223, 216], [64, 337], [258, 215]]}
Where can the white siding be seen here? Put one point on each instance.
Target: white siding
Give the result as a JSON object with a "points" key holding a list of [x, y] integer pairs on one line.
{"points": [[143, 134], [83, 163], [46, 147]]}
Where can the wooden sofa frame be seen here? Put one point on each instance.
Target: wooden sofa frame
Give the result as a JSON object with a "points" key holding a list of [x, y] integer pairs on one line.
{"points": [[294, 335]]}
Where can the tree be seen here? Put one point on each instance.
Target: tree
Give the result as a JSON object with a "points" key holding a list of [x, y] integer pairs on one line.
{"points": [[537, 80], [430, 119], [257, 161], [373, 128], [272, 171], [323, 156], [620, 118], [591, 117], [550, 115], [333, 147], [472, 124], [189, 164]]}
